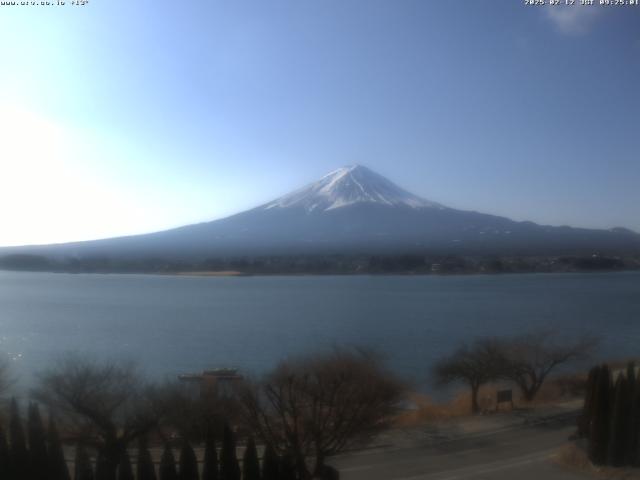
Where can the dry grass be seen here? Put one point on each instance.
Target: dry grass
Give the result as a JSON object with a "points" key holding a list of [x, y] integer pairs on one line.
{"points": [[560, 388], [427, 410], [575, 458], [556, 389]]}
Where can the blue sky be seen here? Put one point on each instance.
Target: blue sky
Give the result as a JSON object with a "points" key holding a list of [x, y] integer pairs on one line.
{"points": [[123, 117]]}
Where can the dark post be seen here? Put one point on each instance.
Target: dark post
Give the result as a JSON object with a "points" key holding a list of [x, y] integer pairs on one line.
{"points": [[168, 465], [144, 469], [83, 470], [270, 464], [188, 463], [4, 455], [229, 468], [125, 471], [250, 462], [210, 468], [37, 443], [19, 455], [57, 465]]}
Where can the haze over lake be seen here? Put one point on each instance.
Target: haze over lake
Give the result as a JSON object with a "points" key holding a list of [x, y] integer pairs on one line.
{"points": [[173, 324]]}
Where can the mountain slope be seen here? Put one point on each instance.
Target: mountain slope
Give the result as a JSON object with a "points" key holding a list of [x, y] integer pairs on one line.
{"points": [[352, 210]]}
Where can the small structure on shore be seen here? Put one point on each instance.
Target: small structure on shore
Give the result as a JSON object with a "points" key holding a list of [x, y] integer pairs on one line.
{"points": [[504, 396], [217, 382]]}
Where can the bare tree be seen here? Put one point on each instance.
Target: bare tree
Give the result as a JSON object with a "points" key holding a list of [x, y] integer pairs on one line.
{"points": [[531, 357], [105, 404], [193, 417], [317, 406], [474, 365]]}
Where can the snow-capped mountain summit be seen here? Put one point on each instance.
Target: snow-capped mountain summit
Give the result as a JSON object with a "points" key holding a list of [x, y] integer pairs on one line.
{"points": [[350, 210], [348, 186]]}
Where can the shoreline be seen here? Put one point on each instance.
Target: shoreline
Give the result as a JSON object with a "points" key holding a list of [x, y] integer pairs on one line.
{"points": [[206, 273], [235, 273]]}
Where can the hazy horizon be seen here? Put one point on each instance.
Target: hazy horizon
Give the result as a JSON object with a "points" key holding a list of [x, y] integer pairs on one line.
{"points": [[119, 118]]}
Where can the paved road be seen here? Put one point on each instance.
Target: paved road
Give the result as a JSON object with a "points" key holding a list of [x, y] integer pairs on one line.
{"points": [[524, 453]]}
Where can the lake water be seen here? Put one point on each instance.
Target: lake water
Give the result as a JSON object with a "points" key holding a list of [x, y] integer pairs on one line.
{"points": [[172, 324]]}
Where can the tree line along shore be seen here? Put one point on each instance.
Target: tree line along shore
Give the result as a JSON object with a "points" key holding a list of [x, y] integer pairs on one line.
{"points": [[330, 264]]}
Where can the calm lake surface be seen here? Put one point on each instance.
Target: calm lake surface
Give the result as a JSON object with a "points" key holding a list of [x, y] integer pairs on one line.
{"points": [[174, 325]]}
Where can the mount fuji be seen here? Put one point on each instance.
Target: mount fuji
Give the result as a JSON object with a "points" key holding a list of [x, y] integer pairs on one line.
{"points": [[350, 210], [349, 186]]}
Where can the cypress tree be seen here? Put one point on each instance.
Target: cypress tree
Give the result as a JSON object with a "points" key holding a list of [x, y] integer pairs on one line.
{"points": [[188, 463], [599, 428], [57, 465], [229, 468], [287, 469], [250, 462], [587, 410], [125, 471], [37, 443], [616, 452], [144, 469], [630, 447], [168, 465], [270, 464], [18, 453], [631, 374], [83, 470], [4, 455], [210, 468], [635, 423], [102, 469]]}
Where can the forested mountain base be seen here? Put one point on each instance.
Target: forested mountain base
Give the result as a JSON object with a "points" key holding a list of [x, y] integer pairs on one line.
{"points": [[329, 264]]}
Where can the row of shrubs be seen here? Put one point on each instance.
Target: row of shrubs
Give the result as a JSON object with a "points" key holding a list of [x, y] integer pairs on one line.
{"points": [[611, 416], [38, 454]]}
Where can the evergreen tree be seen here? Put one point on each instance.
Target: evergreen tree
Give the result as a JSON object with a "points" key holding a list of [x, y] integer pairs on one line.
{"points": [[287, 468], [57, 465], [630, 448], [102, 467], [631, 375], [188, 463], [4, 455], [584, 421], [83, 469], [250, 462], [270, 464], [144, 469], [125, 471], [37, 444], [229, 468], [616, 450], [635, 423], [168, 465], [18, 453], [210, 468], [599, 427]]}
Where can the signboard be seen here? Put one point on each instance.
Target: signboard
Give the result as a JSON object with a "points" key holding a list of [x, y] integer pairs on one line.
{"points": [[504, 396]]}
